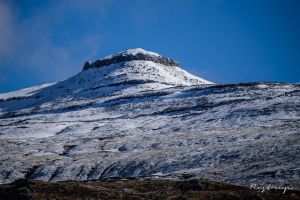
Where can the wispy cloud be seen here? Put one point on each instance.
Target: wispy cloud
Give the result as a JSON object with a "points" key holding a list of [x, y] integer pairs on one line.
{"points": [[7, 30], [28, 45]]}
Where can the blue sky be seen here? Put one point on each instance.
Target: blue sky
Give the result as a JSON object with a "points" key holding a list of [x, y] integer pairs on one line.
{"points": [[225, 41]]}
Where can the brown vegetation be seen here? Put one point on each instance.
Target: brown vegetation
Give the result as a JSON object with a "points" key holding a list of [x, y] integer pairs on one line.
{"points": [[135, 189]]}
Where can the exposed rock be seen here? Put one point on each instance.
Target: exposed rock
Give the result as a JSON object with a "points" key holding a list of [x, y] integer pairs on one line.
{"points": [[129, 56]]}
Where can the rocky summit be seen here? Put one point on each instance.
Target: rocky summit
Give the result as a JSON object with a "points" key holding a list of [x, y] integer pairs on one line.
{"points": [[129, 55], [137, 114]]}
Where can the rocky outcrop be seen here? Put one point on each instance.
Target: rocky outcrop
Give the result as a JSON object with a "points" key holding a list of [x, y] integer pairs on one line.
{"points": [[124, 57]]}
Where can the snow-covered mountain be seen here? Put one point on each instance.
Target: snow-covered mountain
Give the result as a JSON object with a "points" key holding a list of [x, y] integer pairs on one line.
{"points": [[138, 114]]}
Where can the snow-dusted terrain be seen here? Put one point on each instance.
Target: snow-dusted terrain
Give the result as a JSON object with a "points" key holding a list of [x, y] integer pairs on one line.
{"points": [[138, 114]]}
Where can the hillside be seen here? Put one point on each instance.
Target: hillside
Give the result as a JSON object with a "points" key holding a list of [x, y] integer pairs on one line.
{"points": [[139, 114]]}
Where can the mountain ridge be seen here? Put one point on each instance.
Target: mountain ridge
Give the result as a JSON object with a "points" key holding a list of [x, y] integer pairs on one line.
{"points": [[142, 119]]}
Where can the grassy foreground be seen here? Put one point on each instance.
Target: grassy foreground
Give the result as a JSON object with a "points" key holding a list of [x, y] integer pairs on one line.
{"points": [[136, 189]]}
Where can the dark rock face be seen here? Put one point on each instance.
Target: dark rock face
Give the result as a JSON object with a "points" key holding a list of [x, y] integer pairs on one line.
{"points": [[123, 57]]}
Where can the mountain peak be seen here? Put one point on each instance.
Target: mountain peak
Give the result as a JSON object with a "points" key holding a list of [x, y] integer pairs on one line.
{"points": [[139, 51], [130, 55]]}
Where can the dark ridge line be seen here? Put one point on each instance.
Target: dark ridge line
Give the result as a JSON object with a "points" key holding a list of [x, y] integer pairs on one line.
{"points": [[31, 171], [55, 173], [106, 170]]}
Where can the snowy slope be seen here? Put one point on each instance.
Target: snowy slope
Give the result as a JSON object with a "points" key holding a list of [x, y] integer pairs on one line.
{"points": [[24, 92], [118, 78], [146, 117]]}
